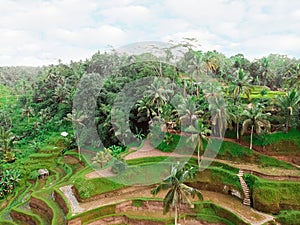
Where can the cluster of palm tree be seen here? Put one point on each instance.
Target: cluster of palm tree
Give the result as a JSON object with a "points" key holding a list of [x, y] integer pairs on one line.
{"points": [[183, 95], [6, 145], [8, 181]]}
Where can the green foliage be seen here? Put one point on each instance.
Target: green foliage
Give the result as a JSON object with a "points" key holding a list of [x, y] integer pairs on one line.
{"points": [[235, 152], [154, 159], [118, 166], [116, 150], [207, 210], [137, 202], [34, 217], [216, 178], [178, 192], [169, 143], [288, 217], [259, 92], [91, 187], [6, 222], [96, 213], [34, 114], [8, 181], [156, 135], [276, 138], [273, 196]]}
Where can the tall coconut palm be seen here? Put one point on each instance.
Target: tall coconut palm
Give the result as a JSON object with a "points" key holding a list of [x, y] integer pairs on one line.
{"points": [[235, 115], [294, 79], [121, 126], [144, 105], [179, 193], [27, 112], [77, 119], [6, 145], [210, 59], [219, 114], [199, 135], [265, 66], [242, 85], [159, 93], [255, 119], [289, 105], [188, 110], [6, 139]]}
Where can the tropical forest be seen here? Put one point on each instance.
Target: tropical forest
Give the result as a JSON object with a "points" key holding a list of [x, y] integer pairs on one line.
{"points": [[162, 134]]}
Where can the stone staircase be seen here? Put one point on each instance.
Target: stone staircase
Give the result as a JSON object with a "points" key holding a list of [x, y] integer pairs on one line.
{"points": [[246, 200]]}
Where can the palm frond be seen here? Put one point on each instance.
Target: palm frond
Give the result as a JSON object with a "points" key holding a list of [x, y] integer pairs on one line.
{"points": [[168, 200]]}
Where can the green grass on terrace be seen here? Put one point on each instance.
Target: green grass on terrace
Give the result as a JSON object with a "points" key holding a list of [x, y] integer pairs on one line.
{"points": [[292, 136], [256, 93]]}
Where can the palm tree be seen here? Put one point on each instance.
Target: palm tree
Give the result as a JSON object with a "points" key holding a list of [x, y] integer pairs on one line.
{"points": [[5, 119], [121, 126], [144, 105], [159, 93], [27, 112], [77, 119], [219, 114], [6, 145], [188, 111], [61, 93], [211, 62], [294, 79], [199, 136], [235, 115], [265, 65], [289, 104], [179, 192], [241, 82], [255, 119], [102, 157], [6, 139]]}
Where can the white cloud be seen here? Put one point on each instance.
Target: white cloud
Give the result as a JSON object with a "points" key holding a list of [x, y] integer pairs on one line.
{"points": [[130, 15], [35, 32]]}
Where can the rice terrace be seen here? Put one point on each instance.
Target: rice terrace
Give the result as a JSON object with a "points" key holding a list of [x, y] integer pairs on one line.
{"points": [[157, 136]]}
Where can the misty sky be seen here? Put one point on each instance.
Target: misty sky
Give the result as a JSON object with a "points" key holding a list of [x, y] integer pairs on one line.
{"points": [[39, 32]]}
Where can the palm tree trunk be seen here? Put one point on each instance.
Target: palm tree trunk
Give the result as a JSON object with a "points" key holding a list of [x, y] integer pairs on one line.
{"points": [[251, 136], [79, 150], [199, 160], [160, 69], [287, 125], [176, 215], [237, 132]]}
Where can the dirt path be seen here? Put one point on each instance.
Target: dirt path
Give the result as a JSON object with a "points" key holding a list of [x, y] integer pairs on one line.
{"points": [[226, 201], [293, 161], [234, 205], [147, 150]]}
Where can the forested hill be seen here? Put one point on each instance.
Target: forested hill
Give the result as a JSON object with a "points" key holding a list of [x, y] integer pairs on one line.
{"points": [[274, 71], [12, 75]]}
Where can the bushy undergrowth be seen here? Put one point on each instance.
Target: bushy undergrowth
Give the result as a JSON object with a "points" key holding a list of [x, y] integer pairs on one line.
{"points": [[209, 209], [216, 178], [89, 188], [289, 217], [234, 152], [275, 138], [273, 196]]}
